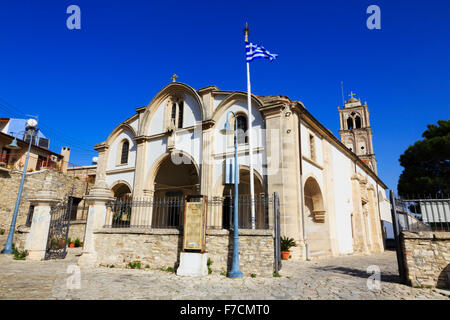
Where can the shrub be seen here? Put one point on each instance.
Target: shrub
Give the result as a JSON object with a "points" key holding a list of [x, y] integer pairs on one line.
{"points": [[276, 275], [19, 254], [77, 242], [286, 243], [134, 265], [147, 266], [223, 273], [209, 263], [253, 275]]}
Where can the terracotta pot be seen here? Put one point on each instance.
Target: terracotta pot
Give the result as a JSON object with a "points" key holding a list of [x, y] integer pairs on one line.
{"points": [[72, 245], [285, 255]]}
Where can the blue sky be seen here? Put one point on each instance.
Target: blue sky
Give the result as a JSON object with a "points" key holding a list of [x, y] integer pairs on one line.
{"points": [[82, 83]]}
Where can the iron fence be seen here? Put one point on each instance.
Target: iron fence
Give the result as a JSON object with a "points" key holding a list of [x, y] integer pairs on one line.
{"points": [[427, 213], [168, 212]]}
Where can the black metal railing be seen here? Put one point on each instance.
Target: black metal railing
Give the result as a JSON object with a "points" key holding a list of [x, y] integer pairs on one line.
{"points": [[168, 212], [425, 213]]}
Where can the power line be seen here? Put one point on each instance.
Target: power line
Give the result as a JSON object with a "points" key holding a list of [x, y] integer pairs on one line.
{"points": [[57, 135]]}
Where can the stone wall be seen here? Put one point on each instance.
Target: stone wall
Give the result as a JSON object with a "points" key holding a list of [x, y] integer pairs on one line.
{"points": [[9, 186], [161, 249], [427, 256], [76, 230]]}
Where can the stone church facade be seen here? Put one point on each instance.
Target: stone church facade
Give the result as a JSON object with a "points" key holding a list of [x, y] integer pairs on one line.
{"points": [[331, 199]]}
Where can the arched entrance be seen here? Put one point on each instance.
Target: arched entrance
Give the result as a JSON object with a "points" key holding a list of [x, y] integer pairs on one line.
{"points": [[316, 224], [121, 190], [244, 202], [121, 211], [174, 180]]}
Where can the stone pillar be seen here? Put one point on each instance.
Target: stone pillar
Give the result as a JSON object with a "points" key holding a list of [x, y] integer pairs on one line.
{"points": [[282, 130], [359, 236], [375, 223], [97, 201], [37, 238]]}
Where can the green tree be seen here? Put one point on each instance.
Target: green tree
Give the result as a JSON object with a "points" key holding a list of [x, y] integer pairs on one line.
{"points": [[427, 163]]}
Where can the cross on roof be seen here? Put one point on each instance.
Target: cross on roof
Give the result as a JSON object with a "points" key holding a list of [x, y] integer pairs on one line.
{"points": [[351, 94], [174, 77]]}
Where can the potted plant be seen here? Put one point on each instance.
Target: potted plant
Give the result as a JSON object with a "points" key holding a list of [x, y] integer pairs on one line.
{"points": [[77, 243], [285, 244], [71, 243]]}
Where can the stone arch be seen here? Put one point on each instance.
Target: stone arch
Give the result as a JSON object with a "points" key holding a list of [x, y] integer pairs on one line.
{"points": [[118, 130], [244, 195], [316, 223], [350, 123], [357, 122], [120, 151], [182, 163], [232, 99], [121, 189], [173, 88]]}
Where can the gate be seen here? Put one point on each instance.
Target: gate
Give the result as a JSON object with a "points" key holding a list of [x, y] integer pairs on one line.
{"points": [[416, 214], [59, 230], [276, 226]]}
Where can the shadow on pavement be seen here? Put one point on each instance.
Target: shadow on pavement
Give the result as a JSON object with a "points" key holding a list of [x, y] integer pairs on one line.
{"points": [[390, 277]]}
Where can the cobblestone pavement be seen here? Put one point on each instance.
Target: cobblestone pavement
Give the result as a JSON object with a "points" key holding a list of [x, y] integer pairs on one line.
{"points": [[334, 278]]}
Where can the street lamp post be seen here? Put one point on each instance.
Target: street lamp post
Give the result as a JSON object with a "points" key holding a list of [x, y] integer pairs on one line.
{"points": [[30, 130], [235, 269]]}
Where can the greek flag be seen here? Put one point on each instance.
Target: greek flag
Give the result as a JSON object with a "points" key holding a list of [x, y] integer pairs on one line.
{"points": [[257, 52]]}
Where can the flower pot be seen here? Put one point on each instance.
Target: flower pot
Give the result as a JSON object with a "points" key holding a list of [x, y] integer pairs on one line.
{"points": [[285, 255], [72, 245]]}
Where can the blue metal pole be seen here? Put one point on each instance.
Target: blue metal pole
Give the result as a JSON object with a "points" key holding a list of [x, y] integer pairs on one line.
{"points": [[9, 242], [235, 270]]}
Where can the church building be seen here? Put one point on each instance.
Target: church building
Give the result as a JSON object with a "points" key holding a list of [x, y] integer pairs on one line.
{"points": [[331, 200]]}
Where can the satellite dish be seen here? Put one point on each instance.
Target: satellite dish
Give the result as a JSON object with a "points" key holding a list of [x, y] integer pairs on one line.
{"points": [[31, 123]]}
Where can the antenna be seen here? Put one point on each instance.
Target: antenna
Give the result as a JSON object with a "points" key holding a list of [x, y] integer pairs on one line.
{"points": [[342, 90]]}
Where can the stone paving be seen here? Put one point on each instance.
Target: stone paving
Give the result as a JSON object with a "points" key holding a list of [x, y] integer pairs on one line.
{"points": [[333, 278]]}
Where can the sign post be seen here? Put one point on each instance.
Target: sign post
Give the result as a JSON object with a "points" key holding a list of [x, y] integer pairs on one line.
{"points": [[193, 259]]}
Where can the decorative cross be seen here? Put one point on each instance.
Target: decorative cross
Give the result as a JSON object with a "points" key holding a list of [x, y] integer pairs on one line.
{"points": [[351, 94], [174, 78]]}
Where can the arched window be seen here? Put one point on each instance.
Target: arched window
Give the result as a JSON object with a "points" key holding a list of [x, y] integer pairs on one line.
{"points": [[173, 115], [176, 112], [349, 123], [180, 114], [242, 129], [358, 122], [124, 154]]}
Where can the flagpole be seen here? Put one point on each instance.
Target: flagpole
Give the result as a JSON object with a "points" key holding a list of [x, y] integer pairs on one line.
{"points": [[250, 145]]}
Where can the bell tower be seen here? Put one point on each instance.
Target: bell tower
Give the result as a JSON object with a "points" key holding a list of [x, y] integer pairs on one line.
{"points": [[355, 131]]}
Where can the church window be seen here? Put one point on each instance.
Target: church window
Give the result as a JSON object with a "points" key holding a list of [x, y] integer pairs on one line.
{"points": [[312, 147], [174, 112], [242, 137], [358, 122], [180, 114], [350, 123], [125, 151]]}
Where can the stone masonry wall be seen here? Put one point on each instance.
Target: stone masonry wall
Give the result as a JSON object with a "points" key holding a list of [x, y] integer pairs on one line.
{"points": [[427, 256], [76, 230], [9, 186], [161, 249]]}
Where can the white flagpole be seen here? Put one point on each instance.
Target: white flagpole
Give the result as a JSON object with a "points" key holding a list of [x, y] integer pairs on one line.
{"points": [[250, 145]]}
